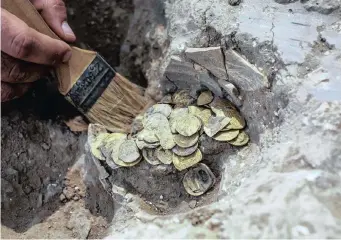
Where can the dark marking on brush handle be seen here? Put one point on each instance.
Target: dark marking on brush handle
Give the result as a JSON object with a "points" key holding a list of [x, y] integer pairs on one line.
{"points": [[92, 83]]}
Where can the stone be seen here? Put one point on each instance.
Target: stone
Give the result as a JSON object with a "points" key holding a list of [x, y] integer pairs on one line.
{"points": [[234, 2], [242, 73], [322, 6], [192, 204], [181, 74], [210, 58]]}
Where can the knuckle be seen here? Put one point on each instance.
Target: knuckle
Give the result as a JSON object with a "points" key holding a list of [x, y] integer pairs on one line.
{"points": [[22, 44]]}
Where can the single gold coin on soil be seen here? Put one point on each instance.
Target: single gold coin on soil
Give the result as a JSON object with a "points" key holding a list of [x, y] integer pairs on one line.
{"points": [[164, 156], [182, 98], [96, 144], [226, 136], [215, 124], [205, 98], [128, 151], [198, 180], [187, 125], [182, 163], [186, 142], [241, 140], [183, 152], [149, 155]]}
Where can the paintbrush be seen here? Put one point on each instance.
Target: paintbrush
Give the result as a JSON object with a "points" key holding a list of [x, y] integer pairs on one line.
{"points": [[87, 81]]}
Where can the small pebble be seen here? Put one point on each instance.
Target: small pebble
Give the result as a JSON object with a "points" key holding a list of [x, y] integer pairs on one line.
{"points": [[62, 197], [75, 198], [192, 204], [234, 2], [161, 197]]}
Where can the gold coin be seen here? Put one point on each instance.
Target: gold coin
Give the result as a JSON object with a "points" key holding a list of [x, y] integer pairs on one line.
{"points": [[110, 141], [205, 98], [149, 155], [186, 142], [164, 156], [164, 109], [158, 123], [182, 163], [237, 121], [182, 98], [147, 136], [226, 135], [96, 144], [128, 151], [176, 113], [215, 124], [115, 156], [187, 125], [203, 114], [198, 180], [222, 104], [184, 151], [241, 140], [143, 144]]}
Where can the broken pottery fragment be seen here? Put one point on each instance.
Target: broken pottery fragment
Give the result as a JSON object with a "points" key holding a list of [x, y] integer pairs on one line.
{"points": [[210, 58], [205, 98], [242, 73], [215, 124], [182, 163], [128, 151], [231, 91], [187, 125], [185, 142], [149, 155], [209, 146], [241, 140], [167, 99], [206, 80], [164, 156], [198, 180], [181, 74], [185, 151], [226, 135]]}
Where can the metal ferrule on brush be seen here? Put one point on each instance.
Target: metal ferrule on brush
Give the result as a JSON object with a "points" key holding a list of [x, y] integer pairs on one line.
{"points": [[92, 83]]}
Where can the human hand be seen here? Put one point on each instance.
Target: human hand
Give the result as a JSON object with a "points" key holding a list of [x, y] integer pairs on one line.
{"points": [[26, 52]]}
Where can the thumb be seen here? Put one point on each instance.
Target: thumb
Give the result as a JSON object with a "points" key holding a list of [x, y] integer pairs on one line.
{"points": [[54, 13]]}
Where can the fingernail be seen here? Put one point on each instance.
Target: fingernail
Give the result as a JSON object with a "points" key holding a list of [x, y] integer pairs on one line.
{"points": [[67, 56], [67, 30]]}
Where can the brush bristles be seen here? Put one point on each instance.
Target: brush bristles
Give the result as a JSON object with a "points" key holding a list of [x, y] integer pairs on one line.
{"points": [[119, 104]]}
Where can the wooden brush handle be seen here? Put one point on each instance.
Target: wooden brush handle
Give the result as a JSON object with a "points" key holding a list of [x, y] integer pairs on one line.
{"points": [[67, 73]]}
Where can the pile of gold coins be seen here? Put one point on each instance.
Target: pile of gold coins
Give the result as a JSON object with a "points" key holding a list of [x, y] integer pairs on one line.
{"points": [[169, 132]]}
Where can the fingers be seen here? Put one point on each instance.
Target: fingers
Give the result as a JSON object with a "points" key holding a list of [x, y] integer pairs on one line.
{"points": [[12, 91], [17, 71], [54, 13], [22, 42]]}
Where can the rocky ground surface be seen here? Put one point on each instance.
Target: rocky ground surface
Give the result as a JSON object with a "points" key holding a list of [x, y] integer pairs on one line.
{"points": [[285, 184]]}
